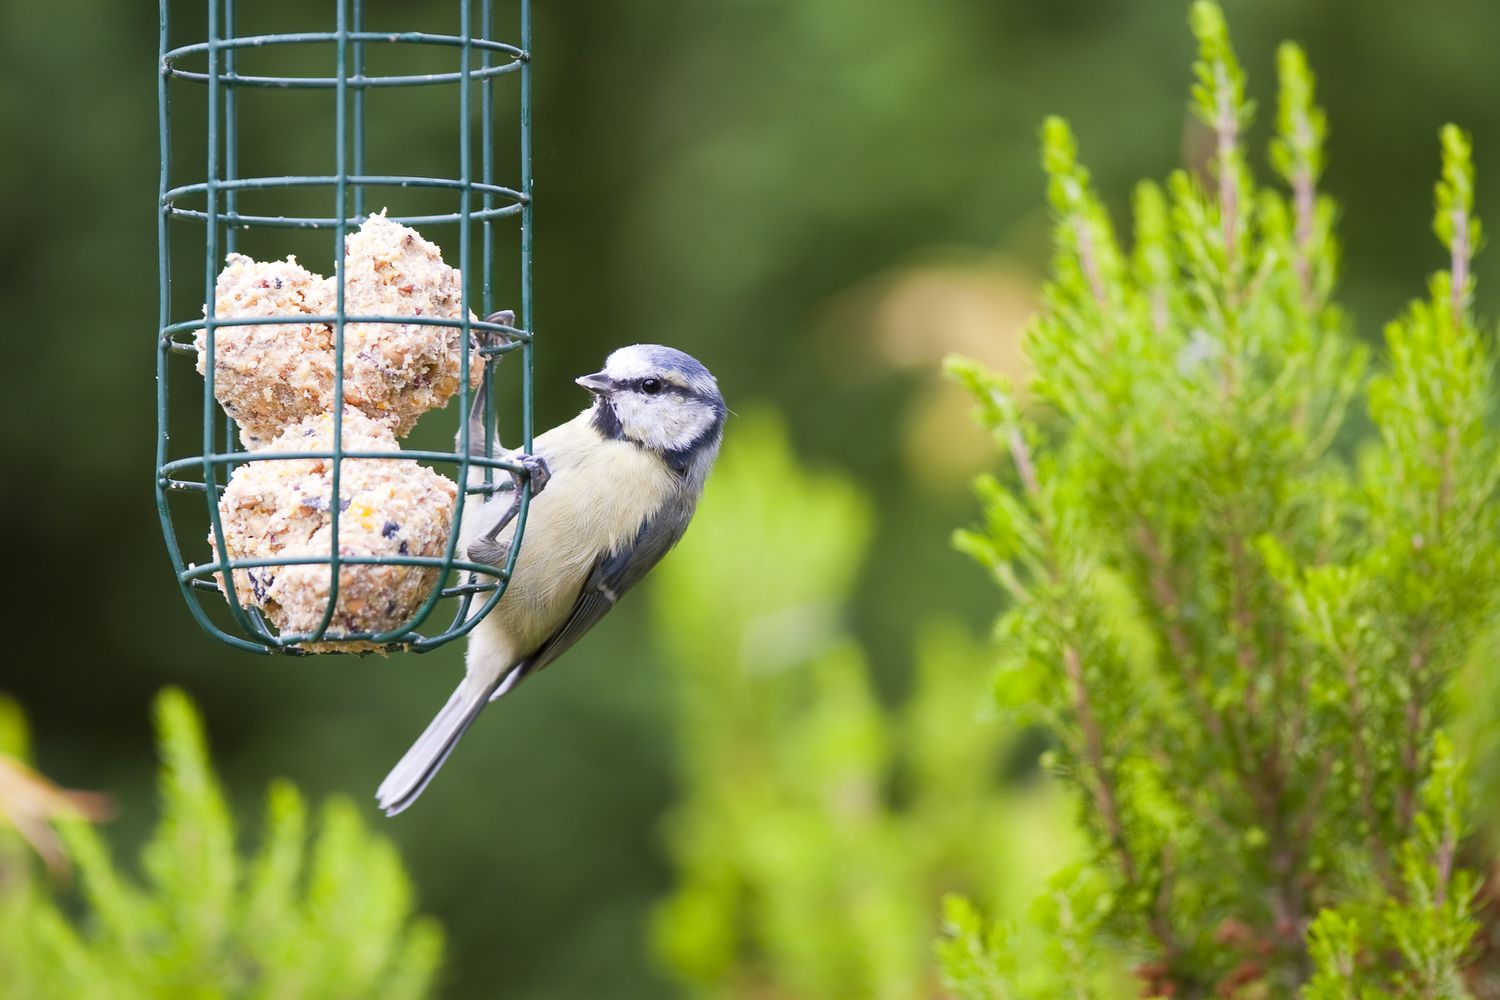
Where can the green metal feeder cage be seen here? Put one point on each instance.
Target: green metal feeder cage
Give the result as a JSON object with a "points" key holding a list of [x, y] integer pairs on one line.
{"points": [[210, 210]]}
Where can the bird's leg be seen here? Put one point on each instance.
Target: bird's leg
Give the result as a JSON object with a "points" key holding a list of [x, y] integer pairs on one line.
{"points": [[477, 405], [486, 548]]}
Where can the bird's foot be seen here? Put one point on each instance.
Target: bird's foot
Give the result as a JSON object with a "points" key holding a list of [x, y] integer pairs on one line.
{"points": [[535, 469], [497, 338], [489, 551]]}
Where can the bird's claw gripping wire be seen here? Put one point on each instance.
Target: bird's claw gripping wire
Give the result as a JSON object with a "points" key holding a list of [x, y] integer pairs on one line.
{"points": [[537, 471], [487, 548]]}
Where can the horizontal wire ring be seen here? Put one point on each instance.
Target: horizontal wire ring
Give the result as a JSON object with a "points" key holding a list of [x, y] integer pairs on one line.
{"points": [[169, 69], [353, 180]]}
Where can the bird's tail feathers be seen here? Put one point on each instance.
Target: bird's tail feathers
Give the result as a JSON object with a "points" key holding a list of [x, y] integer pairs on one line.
{"points": [[510, 680], [417, 767]]}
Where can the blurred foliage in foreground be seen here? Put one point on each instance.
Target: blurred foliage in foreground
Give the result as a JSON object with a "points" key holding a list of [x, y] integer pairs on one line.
{"points": [[818, 828], [327, 920], [1243, 641]]}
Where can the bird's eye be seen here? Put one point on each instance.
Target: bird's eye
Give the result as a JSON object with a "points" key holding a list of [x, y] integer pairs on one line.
{"points": [[651, 386]]}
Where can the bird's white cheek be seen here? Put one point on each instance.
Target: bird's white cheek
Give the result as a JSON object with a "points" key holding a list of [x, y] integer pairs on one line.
{"points": [[630, 410], [687, 424], [665, 423]]}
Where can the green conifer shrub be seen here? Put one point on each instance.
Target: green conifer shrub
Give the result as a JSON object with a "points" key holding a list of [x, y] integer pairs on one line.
{"points": [[1236, 604], [322, 919]]}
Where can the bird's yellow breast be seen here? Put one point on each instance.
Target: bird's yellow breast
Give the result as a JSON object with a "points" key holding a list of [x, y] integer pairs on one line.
{"points": [[599, 494]]}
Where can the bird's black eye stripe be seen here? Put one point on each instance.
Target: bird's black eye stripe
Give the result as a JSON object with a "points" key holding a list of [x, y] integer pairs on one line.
{"points": [[653, 386]]}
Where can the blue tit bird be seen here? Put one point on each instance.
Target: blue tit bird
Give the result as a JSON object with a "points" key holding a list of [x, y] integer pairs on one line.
{"points": [[614, 490]]}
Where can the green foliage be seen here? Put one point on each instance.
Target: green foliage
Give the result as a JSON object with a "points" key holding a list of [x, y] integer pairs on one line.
{"points": [[1060, 945], [976, 959], [1426, 918], [325, 920], [1476, 734], [1240, 638], [817, 828]]}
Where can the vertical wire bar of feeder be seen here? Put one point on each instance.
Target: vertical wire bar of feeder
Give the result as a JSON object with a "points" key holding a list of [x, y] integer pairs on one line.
{"points": [[487, 173], [231, 153], [164, 318], [163, 287], [163, 348], [466, 284], [231, 164], [359, 110], [247, 623], [466, 388], [211, 257], [163, 283], [341, 210], [486, 167], [527, 323], [527, 320], [526, 301]]}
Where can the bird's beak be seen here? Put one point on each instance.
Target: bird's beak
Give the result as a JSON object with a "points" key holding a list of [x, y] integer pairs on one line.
{"points": [[598, 383]]}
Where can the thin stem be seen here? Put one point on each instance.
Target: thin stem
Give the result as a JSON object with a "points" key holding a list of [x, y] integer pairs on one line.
{"points": [[1020, 454], [1364, 775], [1460, 277], [1445, 485], [1106, 800], [1304, 199], [1090, 261], [1446, 848], [1093, 751], [1170, 605], [1411, 741], [1227, 129]]}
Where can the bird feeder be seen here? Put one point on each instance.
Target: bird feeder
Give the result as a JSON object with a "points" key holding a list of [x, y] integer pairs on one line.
{"points": [[216, 207]]}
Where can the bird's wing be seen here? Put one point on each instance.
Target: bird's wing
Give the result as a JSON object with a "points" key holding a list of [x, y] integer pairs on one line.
{"points": [[610, 578]]}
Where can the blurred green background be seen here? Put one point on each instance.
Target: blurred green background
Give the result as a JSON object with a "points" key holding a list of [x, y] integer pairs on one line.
{"points": [[819, 200]]}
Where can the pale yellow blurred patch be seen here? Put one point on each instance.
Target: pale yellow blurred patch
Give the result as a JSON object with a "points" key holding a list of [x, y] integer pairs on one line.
{"points": [[29, 803], [910, 318]]}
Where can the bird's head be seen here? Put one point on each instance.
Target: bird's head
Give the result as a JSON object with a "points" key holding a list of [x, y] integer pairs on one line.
{"points": [[660, 399]]}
